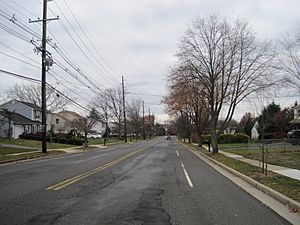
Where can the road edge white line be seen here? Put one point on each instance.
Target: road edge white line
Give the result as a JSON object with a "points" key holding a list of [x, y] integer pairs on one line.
{"points": [[187, 175]]}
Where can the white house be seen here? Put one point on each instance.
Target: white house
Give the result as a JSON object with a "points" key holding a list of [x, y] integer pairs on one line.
{"points": [[63, 122], [296, 120], [25, 118], [254, 131]]}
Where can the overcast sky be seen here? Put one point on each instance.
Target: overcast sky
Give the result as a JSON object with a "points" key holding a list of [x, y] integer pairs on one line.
{"points": [[134, 38]]}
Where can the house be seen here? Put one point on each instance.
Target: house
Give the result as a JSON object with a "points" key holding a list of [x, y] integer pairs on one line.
{"points": [[25, 117], [230, 130], [254, 131], [296, 121], [62, 122]]}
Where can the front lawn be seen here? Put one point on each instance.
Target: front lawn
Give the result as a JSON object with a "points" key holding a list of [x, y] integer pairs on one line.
{"points": [[288, 158], [109, 141]]}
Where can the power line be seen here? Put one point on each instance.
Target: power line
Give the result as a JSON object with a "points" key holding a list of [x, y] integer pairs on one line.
{"points": [[10, 56], [8, 47], [91, 43], [151, 95], [77, 44], [39, 82]]}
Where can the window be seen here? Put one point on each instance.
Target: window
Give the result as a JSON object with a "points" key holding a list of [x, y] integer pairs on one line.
{"points": [[57, 121], [298, 112], [37, 115]]}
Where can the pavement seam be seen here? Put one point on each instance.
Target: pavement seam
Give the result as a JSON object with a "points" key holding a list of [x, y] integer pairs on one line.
{"points": [[274, 194]]}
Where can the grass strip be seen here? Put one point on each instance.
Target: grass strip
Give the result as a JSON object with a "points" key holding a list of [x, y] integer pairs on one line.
{"points": [[12, 158], [34, 144], [7, 150], [288, 158], [285, 185]]}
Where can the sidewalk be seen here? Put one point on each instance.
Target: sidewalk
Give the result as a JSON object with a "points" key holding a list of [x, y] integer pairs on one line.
{"points": [[292, 173]]}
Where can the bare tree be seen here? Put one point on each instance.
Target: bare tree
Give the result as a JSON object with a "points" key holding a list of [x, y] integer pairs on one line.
{"points": [[289, 59], [32, 93], [185, 98], [184, 126], [101, 104], [85, 124], [115, 106], [229, 63], [133, 112], [8, 116]]}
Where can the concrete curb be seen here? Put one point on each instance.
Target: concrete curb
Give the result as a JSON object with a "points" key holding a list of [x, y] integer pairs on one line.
{"points": [[275, 194]]}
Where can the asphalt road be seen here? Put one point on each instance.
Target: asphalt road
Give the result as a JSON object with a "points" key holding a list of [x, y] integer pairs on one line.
{"points": [[151, 182]]}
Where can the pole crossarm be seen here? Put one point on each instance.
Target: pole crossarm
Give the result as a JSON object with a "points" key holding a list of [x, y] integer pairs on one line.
{"points": [[42, 20]]}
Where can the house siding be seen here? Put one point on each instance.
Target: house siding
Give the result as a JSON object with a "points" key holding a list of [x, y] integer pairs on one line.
{"points": [[63, 126], [15, 106], [33, 114]]}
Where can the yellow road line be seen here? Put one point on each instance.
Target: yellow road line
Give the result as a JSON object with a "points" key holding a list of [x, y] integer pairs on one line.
{"points": [[79, 177]]}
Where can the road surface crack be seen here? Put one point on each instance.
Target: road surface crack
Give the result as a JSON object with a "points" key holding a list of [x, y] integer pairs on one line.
{"points": [[150, 210]]}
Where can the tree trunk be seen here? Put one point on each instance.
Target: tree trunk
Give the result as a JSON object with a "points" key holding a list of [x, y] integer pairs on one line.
{"points": [[9, 129], [199, 139], [85, 139], [214, 136], [214, 141], [119, 130]]}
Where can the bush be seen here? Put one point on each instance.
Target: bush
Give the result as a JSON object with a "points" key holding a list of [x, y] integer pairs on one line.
{"points": [[62, 140], [279, 134], [229, 138], [226, 138], [241, 138], [71, 141]]}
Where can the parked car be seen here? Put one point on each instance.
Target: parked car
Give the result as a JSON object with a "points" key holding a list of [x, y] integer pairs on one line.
{"points": [[294, 137], [293, 134], [94, 135]]}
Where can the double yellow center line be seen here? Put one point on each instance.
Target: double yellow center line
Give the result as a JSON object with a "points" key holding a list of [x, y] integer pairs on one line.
{"points": [[79, 177]]}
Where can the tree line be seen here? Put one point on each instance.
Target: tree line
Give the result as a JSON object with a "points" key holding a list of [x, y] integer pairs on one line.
{"points": [[105, 107]]}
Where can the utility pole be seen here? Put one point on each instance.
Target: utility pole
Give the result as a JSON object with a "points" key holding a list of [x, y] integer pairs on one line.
{"points": [[149, 123], [124, 110], [144, 136], [45, 62]]}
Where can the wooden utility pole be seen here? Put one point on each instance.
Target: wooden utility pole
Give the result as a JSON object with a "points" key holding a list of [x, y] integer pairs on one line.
{"points": [[44, 108], [44, 70], [124, 110], [150, 132], [144, 135]]}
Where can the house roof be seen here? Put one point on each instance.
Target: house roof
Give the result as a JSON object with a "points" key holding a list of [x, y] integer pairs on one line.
{"points": [[31, 105], [19, 119], [296, 107], [62, 114]]}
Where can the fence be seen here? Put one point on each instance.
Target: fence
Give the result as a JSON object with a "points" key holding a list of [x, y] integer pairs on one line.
{"points": [[282, 152]]}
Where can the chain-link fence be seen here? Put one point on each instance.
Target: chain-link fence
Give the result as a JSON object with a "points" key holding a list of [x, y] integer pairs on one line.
{"points": [[281, 152]]}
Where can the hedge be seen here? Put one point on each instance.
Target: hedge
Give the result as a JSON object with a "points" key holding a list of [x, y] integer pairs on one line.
{"points": [[38, 137], [229, 138]]}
